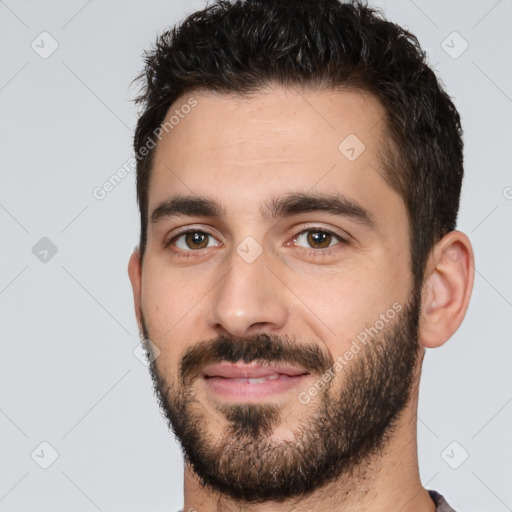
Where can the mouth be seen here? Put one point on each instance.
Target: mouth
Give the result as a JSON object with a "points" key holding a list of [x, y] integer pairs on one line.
{"points": [[251, 382]]}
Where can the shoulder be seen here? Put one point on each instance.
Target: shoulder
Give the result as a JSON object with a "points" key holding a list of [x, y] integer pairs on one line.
{"points": [[441, 503]]}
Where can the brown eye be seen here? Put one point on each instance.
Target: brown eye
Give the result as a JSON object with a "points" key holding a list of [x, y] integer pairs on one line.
{"points": [[193, 240], [196, 240], [319, 239]]}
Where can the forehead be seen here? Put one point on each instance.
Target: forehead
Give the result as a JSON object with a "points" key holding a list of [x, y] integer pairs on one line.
{"points": [[242, 149]]}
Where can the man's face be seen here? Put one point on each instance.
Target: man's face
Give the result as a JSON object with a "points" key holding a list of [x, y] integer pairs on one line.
{"points": [[278, 286]]}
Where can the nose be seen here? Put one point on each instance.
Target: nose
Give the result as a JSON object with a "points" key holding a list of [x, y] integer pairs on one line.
{"points": [[249, 299]]}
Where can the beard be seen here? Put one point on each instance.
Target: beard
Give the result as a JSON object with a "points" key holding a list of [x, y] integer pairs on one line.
{"points": [[335, 435]]}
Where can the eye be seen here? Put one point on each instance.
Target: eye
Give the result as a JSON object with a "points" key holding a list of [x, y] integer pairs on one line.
{"points": [[317, 238], [193, 240]]}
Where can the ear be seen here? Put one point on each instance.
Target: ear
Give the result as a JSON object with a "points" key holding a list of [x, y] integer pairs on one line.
{"points": [[135, 274], [447, 287]]}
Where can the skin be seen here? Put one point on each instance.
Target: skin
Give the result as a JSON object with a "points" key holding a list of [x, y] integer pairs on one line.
{"points": [[241, 152]]}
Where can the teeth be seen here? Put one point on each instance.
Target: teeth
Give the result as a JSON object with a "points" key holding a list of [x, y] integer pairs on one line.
{"points": [[259, 379]]}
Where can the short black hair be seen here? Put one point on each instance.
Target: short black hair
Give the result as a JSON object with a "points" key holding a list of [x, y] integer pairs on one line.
{"points": [[243, 46]]}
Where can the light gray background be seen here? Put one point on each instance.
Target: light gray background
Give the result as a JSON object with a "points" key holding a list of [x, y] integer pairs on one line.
{"points": [[68, 373]]}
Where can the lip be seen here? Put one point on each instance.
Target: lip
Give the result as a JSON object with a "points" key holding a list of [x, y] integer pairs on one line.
{"points": [[231, 381], [250, 371]]}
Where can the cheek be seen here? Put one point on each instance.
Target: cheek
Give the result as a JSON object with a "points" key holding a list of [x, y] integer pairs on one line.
{"points": [[350, 300], [169, 302]]}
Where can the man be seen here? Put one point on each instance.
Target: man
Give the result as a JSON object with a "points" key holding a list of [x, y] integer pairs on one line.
{"points": [[299, 172]]}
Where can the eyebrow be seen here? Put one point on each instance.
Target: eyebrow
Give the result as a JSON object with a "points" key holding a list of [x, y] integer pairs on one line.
{"points": [[286, 205]]}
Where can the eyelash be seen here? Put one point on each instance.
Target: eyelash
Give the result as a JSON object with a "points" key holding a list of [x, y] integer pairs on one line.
{"points": [[315, 253], [319, 253]]}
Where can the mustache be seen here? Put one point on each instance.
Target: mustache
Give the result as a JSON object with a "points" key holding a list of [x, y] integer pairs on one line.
{"points": [[262, 348]]}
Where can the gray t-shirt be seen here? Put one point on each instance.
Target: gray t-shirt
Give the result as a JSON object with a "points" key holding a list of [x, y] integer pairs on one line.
{"points": [[441, 504]]}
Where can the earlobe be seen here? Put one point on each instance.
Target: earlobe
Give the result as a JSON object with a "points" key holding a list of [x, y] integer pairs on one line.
{"points": [[447, 289], [135, 274]]}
